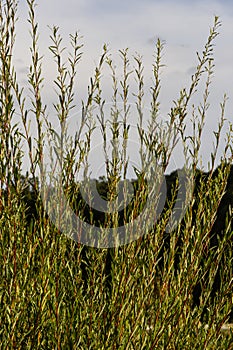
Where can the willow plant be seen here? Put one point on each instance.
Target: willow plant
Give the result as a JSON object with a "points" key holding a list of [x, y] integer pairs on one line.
{"points": [[140, 294]]}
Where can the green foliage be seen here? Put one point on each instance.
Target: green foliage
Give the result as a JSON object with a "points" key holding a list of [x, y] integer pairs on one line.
{"points": [[56, 293]]}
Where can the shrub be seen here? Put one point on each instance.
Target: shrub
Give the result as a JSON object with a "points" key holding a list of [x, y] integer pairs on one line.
{"points": [[154, 290]]}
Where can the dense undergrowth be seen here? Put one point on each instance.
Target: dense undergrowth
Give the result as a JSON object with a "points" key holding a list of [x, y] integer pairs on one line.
{"points": [[158, 291]]}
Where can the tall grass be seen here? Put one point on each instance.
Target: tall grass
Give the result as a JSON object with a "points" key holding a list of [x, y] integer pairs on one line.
{"points": [[57, 293]]}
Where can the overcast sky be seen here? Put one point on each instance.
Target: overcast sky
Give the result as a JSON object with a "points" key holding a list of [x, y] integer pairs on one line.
{"points": [[183, 25]]}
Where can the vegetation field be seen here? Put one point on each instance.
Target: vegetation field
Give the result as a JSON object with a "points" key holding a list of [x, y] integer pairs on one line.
{"points": [[114, 262]]}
